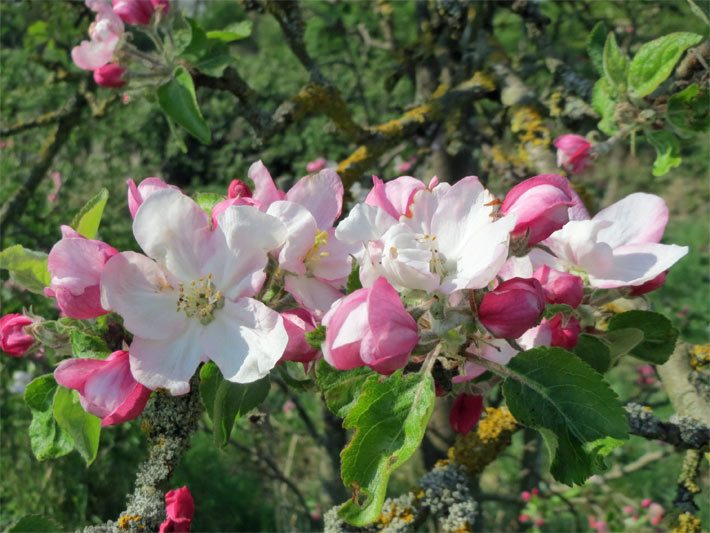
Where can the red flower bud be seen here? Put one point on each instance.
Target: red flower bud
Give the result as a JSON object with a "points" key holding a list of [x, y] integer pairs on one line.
{"points": [[110, 75], [512, 308], [14, 341], [466, 412]]}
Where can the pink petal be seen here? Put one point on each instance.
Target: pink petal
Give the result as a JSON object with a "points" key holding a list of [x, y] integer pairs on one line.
{"points": [[636, 219], [265, 190], [321, 194]]}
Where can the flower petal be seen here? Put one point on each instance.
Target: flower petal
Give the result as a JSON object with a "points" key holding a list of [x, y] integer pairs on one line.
{"points": [[638, 218], [245, 340], [315, 295], [136, 288], [364, 223], [265, 191], [636, 264], [301, 230], [321, 194]]}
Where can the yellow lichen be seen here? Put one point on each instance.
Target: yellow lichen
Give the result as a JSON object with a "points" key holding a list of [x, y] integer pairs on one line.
{"points": [[124, 522], [483, 80], [700, 356], [688, 523], [529, 126]]}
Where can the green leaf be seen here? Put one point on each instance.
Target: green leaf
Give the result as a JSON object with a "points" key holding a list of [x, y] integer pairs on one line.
{"points": [[233, 32], [207, 200], [615, 63], [688, 110], [178, 101], [340, 388], [604, 105], [316, 337], [226, 401], [47, 439], [83, 428], [192, 47], [353, 282], [35, 523], [552, 389], [595, 46], [659, 334], [389, 417], [28, 268], [553, 309], [86, 345], [593, 352], [667, 151], [621, 341], [209, 56], [655, 60], [698, 12], [87, 221]]}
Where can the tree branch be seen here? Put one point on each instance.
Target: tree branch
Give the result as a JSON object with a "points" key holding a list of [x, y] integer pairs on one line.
{"points": [[682, 431]]}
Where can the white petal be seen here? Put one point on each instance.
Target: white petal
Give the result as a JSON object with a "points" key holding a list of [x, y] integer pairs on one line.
{"points": [[406, 259], [136, 288], [301, 231], [172, 229], [639, 218], [245, 340], [167, 364], [315, 295], [321, 194], [333, 262], [364, 223], [246, 226], [638, 263]]}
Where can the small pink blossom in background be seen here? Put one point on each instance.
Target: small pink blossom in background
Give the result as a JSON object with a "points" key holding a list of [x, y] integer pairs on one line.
{"points": [[629, 509], [125, 98], [539, 522], [288, 407], [541, 205], [106, 387], [560, 287], [75, 264], [565, 333], [179, 510], [56, 178], [646, 502], [525, 496], [298, 322], [573, 152], [465, 412], [655, 513], [536, 492], [599, 525], [14, 340], [238, 189], [512, 308], [105, 33], [369, 327], [139, 194], [524, 518], [649, 286], [405, 166], [110, 76], [134, 11], [316, 165]]}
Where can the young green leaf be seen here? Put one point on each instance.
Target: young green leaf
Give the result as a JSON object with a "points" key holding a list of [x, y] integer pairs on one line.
{"points": [[621, 341], [595, 46], [316, 337], [616, 64], [353, 282], [667, 151], [207, 200], [594, 352], [659, 334], [86, 345], [554, 390], [178, 101], [28, 268], [226, 401], [83, 428], [87, 221], [604, 105], [389, 417], [47, 439], [688, 110], [340, 388], [698, 11], [655, 60], [233, 32]]}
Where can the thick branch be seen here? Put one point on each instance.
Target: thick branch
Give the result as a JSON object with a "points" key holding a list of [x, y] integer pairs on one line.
{"points": [[41, 120], [683, 432], [676, 375]]}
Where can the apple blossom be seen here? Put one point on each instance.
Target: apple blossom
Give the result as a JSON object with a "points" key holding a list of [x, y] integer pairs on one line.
{"points": [[573, 152], [75, 264], [369, 327], [106, 387], [298, 322], [134, 11], [564, 331], [110, 75], [105, 32], [395, 196], [453, 240], [179, 510], [137, 194], [316, 165], [189, 298], [512, 307], [541, 205], [465, 412], [14, 340], [619, 247], [560, 287], [238, 189]]}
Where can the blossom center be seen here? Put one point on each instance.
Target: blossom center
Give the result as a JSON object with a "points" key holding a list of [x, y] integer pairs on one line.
{"points": [[200, 299], [314, 255]]}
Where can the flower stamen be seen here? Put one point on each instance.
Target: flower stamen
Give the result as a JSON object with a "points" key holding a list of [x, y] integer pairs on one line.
{"points": [[200, 299]]}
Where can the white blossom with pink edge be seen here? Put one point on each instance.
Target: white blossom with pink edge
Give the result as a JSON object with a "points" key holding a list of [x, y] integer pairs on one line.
{"points": [[431, 250], [188, 299], [105, 32], [618, 247]]}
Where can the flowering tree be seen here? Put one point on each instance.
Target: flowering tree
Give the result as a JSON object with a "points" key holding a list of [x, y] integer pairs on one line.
{"points": [[384, 300]]}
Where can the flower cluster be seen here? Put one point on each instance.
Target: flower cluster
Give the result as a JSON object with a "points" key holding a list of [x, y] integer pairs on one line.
{"points": [[415, 270]]}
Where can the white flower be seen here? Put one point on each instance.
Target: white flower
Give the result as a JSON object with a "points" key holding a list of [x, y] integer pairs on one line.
{"points": [[190, 299]]}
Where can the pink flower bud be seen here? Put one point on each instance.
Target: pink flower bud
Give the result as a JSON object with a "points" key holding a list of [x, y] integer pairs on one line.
{"points": [[14, 341], [536, 492], [110, 75], [541, 205], [137, 195], [524, 518], [106, 387], [369, 327], [179, 510], [646, 502], [655, 513], [645, 370], [512, 308], [564, 334], [560, 287], [395, 196], [75, 264], [649, 286], [465, 412], [573, 152], [525, 496], [238, 189], [539, 522], [316, 165], [629, 509], [134, 11], [298, 322]]}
